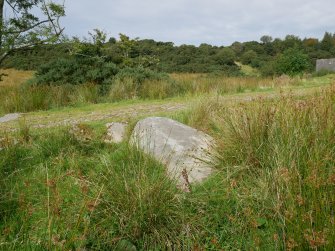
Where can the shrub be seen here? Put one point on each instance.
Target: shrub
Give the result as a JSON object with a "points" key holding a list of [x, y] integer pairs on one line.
{"points": [[139, 75], [292, 62], [76, 71], [248, 57]]}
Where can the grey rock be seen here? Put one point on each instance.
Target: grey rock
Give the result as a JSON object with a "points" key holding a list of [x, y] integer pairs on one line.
{"points": [[9, 117], [187, 153], [116, 132]]}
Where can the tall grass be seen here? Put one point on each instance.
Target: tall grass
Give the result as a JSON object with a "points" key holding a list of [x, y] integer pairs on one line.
{"points": [[273, 189], [12, 77], [15, 96], [216, 84], [279, 157], [26, 98], [61, 193]]}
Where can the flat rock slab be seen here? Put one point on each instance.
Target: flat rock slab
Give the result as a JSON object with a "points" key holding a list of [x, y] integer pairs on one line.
{"points": [[9, 117], [116, 132], [187, 153]]}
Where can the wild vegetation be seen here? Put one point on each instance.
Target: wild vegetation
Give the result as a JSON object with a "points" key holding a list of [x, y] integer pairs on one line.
{"points": [[273, 188], [271, 116], [270, 56], [132, 84]]}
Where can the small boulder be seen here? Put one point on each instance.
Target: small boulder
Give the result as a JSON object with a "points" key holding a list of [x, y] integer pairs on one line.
{"points": [[116, 132], [187, 153], [10, 117]]}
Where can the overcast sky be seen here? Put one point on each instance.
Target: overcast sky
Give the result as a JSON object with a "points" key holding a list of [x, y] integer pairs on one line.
{"points": [[216, 22]]}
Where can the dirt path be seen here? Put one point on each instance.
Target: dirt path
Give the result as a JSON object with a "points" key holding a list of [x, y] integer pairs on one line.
{"points": [[126, 111], [112, 113]]}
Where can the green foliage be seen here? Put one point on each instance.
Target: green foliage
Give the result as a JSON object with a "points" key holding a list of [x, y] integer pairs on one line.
{"points": [[268, 69], [126, 52], [34, 22], [266, 39], [279, 158], [33, 58], [139, 75], [292, 62], [76, 71], [225, 56], [273, 187], [248, 57], [328, 42], [132, 83]]}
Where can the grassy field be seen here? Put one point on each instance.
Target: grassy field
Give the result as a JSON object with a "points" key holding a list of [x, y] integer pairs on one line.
{"points": [[17, 96], [273, 188]]}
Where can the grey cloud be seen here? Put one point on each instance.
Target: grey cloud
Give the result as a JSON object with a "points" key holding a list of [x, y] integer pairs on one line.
{"points": [[201, 21]]}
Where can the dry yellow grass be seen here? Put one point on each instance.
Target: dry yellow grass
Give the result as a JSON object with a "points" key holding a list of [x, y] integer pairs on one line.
{"points": [[14, 77]]}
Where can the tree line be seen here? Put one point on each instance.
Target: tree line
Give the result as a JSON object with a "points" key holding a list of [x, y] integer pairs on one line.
{"points": [[31, 38], [291, 55]]}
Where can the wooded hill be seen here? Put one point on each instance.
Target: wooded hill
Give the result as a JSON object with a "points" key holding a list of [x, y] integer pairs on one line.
{"points": [[291, 55]]}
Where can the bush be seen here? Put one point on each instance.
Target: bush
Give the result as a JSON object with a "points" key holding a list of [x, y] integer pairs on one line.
{"points": [[139, 75], [292, 62], [76, 71], [248, 57]]}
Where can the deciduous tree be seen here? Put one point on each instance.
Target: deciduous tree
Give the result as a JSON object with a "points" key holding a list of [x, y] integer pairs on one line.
{"points": [[27, 23]]}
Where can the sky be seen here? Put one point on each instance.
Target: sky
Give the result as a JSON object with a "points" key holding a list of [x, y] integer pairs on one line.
{"points": [[215, 22]]}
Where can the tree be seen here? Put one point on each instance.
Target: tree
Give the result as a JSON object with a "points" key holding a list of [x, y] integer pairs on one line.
{"points": [[27, 23], [291, 41], [266, 39], [237, 47], [88, 47], [225, 56], [248, 57], [292, 62], [327, 42], [126, 45]]}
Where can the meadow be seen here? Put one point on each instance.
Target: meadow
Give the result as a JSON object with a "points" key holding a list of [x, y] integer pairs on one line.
{"points": [[273, 188], [17, 95]]}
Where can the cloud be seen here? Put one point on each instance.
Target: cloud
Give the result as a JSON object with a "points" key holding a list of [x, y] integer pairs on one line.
{"points": [[198, 21]]}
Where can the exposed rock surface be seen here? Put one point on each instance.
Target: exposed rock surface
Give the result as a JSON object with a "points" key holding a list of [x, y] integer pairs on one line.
{"points": [[187, 152], [116, 132], [9, 117]]}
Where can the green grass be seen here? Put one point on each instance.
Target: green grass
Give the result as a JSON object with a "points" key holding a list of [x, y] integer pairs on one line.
{"points": [[249, 71], [58, 192], [273, 188], [28, 98], [279, 157]]}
